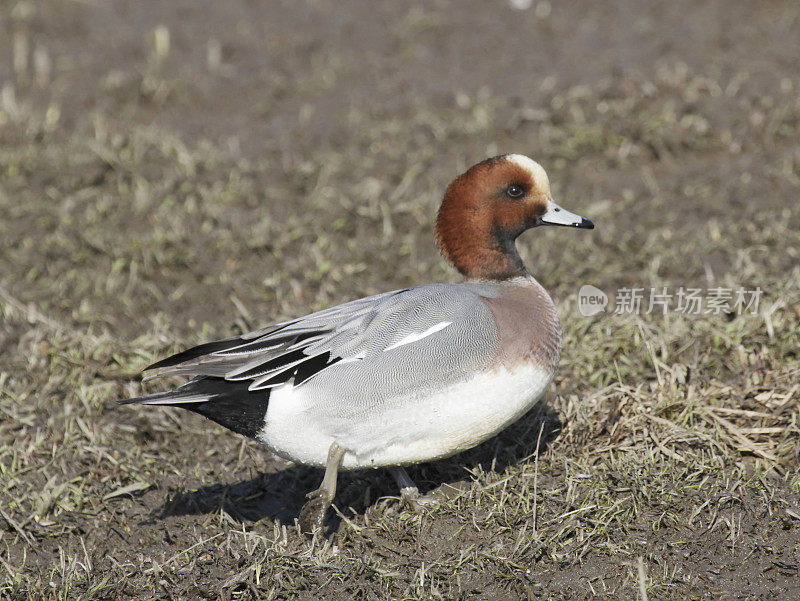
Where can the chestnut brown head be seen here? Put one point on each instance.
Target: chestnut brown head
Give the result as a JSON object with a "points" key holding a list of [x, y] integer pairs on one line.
{"points": [[486, 208]]}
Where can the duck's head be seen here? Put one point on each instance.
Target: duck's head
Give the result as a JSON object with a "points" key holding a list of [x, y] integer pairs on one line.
{"points": [[487, 207]]}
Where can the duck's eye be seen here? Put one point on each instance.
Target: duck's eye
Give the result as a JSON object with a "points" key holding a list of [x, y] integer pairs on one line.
{"points": [[515, 191]]}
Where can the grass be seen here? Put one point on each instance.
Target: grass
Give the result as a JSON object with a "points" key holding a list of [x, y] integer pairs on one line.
{"points": [[668, 447]]}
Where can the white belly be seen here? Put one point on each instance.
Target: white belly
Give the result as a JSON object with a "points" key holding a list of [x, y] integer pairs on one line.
{"points": [[402, 430]]}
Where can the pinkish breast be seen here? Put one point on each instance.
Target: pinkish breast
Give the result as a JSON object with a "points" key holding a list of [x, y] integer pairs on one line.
{"points": [[527, 326]]}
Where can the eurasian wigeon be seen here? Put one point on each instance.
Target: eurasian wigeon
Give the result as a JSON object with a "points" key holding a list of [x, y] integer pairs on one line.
{"points": [[406, 376]]}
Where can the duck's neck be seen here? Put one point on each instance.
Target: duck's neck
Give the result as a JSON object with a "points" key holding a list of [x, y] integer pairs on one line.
{"points": [[481, 255]]}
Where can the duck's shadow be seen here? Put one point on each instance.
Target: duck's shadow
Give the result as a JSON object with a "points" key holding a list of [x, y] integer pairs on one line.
{"points": [[281, 495]]}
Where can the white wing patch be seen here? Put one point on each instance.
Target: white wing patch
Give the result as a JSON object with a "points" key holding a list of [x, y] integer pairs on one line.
{"points": [[414, 337]]}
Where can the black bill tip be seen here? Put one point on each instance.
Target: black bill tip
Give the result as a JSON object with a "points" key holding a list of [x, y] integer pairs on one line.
{"points": [[585, 224]]}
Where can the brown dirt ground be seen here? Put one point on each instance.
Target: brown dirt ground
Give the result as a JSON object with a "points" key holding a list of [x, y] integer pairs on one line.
{"points": [[171, 172]]}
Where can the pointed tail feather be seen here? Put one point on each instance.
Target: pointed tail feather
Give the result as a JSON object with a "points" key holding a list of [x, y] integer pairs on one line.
{"points": [[229, 404], [194, 391], [164, 398]]}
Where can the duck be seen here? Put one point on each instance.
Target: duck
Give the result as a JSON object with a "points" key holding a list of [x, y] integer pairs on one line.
{"points": [[402, 377]]}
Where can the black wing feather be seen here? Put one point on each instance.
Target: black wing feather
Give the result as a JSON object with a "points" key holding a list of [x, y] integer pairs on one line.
{"points": [[196, 351]]}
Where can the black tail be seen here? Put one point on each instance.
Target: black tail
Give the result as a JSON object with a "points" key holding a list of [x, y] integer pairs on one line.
{"points": [[229, 404]]}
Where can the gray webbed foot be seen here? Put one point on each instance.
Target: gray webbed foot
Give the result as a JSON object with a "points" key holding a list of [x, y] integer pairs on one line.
{"points": [[410, 497], [312, 515], [409, 493]]}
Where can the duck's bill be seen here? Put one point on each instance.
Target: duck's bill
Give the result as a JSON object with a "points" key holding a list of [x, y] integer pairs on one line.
{"points": [[555, 215]]}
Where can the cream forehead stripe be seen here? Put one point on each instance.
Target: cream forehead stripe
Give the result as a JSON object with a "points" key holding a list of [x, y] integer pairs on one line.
{"points": [[536, 170]]}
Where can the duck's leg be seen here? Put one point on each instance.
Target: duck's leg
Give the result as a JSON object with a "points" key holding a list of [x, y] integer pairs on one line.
{"points": [[409, 492], [312, 515]]}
